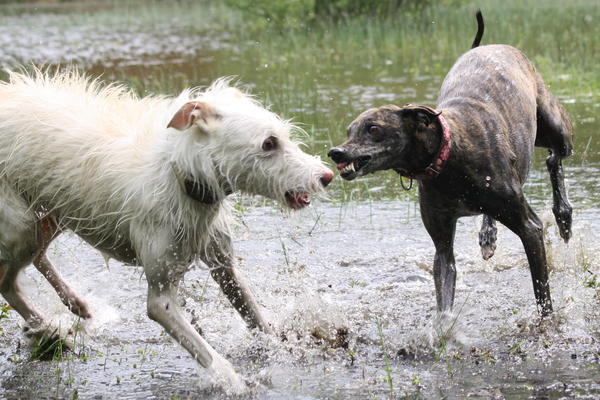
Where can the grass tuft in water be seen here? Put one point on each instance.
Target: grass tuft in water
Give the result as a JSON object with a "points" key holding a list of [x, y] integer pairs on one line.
{"points": [[388, 370], [4, 313], [50, 347]]}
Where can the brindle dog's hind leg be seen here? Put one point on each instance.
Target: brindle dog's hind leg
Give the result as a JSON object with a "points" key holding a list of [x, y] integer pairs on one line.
{"points": [[561, 207], [487, 237], [554, 131]]}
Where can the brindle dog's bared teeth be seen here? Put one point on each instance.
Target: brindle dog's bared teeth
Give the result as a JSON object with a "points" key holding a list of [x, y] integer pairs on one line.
{"points": [[349, 168]]}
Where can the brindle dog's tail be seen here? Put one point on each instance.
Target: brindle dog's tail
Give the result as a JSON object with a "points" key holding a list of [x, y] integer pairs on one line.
{"points": [[479, 34]]}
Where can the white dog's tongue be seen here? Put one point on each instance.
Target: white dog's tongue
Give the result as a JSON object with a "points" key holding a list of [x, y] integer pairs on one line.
{"points": [[301, 199], [298, 200]]}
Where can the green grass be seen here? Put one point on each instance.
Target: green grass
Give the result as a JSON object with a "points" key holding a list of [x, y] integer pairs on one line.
{"points": [[323, 74], [388, 370], [4, 313], [48, 348], [561, 37], [307, 73], [553, 33]]}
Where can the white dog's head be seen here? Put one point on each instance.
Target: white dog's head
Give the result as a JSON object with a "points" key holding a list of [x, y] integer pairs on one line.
{"points": [[230, 142]]}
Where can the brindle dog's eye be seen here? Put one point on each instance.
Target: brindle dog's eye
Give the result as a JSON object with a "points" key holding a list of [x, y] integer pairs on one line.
{"points": [[374, 129], [270, 143]]}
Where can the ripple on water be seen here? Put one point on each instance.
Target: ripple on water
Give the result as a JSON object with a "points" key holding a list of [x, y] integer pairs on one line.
{"points": [[364, 273]]}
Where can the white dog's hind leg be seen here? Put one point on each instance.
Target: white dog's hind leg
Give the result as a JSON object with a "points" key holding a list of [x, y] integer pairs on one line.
{"points": [[20, 242], [49, 231], [163, 308], [12, 294], [66, 294], [36, 327], [219, 258]]}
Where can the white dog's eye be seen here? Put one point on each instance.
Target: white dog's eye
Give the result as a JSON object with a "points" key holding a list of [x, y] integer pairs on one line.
{"points": [[270, 143]]}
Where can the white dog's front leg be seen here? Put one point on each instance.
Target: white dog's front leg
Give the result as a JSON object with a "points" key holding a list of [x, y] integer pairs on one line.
{"points": [[219, 258], [238, 292], [163, 308]]}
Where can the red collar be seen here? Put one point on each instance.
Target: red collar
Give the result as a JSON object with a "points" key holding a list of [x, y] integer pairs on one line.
{"points": [[436, 166]]}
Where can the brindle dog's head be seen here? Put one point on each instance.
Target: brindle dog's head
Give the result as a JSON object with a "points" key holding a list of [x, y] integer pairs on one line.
{"points": [[388, 137]]}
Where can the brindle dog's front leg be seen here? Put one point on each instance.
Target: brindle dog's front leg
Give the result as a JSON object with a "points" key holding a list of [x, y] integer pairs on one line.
{"points": [[441, 226], [520, 218], [219, 258]]}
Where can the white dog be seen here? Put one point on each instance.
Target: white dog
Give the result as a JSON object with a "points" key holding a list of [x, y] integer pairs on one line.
{"points": [[145, 182]]}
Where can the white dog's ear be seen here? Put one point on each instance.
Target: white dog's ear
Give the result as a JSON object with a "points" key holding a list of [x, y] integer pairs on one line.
{"points": [[190, 113]]}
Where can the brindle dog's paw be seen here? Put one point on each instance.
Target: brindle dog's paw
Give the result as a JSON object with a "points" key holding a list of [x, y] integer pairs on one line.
{"points": [[563, 215], [487, 250], [487, 240]]}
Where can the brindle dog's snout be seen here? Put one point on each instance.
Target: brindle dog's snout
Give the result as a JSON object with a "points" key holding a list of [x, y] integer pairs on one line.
{"points": [[338, 154]]}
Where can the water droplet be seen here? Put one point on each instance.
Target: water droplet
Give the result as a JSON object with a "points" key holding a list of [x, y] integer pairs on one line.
{"points": [[488, 178]]}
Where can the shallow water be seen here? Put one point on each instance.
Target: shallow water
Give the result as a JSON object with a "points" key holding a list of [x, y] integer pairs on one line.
{"points": [[362, 264]]}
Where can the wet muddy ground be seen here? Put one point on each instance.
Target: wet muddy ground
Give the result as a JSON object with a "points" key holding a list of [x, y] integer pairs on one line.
{"points": [[363, 267], [359, 262]]}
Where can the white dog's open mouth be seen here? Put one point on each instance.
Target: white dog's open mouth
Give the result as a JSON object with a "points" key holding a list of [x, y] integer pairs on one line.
{"points": [[297, 200]]}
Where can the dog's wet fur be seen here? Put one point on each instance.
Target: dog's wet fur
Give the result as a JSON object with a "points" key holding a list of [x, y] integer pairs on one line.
{"points": [[145, 181], [497, 108]]}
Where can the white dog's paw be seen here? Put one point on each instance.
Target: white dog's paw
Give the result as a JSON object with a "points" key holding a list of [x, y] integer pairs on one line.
{"points": [[49, 341], [226, 379]]}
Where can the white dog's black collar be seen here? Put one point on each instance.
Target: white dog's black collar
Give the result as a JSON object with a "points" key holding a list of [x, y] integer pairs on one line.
{"points": [[194, 188]]}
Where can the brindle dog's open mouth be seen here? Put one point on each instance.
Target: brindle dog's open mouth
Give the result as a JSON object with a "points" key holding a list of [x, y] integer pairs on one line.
{"points": [[297, 200], [351, 170]]}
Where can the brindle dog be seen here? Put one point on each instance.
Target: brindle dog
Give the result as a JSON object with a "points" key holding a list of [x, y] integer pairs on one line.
{"points": [[472, 156]]}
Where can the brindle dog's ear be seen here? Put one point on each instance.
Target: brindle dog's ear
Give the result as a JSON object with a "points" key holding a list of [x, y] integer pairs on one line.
{"points": [[425, 134], [423, 114]]}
